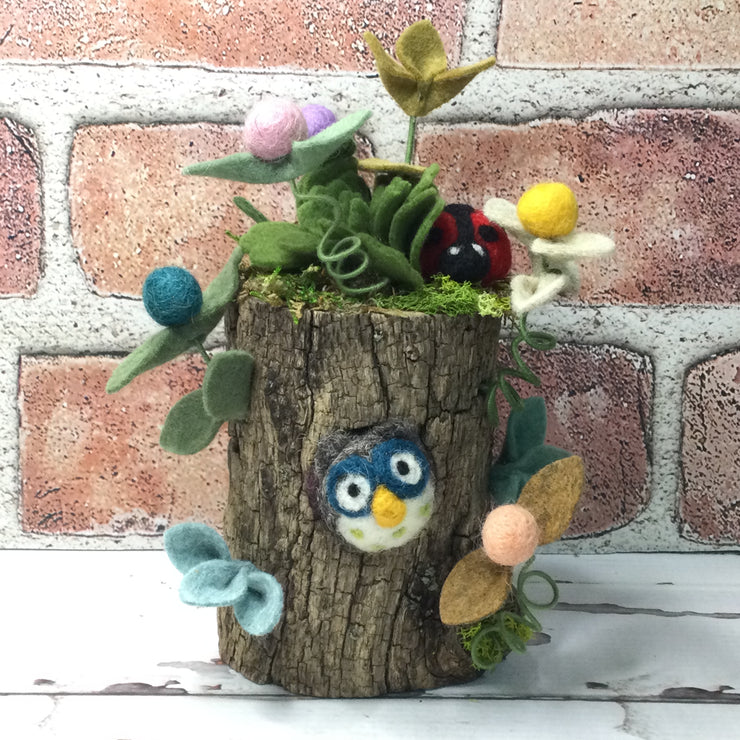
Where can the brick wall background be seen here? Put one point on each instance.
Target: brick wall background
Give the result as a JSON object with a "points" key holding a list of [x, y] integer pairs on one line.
{"points": [[635, 105]]}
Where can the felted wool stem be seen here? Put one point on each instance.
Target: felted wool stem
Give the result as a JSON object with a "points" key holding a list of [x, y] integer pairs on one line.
{"points": [[355, 623]]}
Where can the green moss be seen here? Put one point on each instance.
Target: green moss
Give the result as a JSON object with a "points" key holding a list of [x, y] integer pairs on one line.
{"points": [[312, 288], [444, 295]]}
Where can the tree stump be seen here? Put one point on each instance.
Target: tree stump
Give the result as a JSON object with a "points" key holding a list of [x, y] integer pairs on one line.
{"points": [[355, 624]]}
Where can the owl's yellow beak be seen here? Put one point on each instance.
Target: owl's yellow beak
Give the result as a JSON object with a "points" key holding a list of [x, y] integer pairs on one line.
{"points": [[387, 508]]}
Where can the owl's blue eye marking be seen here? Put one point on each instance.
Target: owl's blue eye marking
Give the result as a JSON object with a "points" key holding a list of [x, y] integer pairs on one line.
{"points": [[350, 485], [402, 466]]}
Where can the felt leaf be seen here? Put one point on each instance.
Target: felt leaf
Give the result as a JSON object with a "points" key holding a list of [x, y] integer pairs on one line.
{"points": [[162, 347], [450, 83], [277, 244], [552, 494], [191, 543], [525, 429], [576, 245], [400, 84], [188, 428], [384, 205], [259, 610], [408, 217], [373, 164], [217, 296], [391, 263], [216, 583], [508, 479], [227, 385], [420, 50], [305, 156], [423, 230], [475, 588], [358, 218], [246, 206]]}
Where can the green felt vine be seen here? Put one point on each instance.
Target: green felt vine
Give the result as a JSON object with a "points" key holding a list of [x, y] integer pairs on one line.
{"points": [[509, 629], [538, 340]]}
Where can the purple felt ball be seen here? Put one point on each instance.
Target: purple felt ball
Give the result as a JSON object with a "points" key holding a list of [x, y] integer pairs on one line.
{"points": [[318, 117], [272, 126]]}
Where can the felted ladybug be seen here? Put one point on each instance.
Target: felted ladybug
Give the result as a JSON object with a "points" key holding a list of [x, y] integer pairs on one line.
{"points": [[465, 245]]}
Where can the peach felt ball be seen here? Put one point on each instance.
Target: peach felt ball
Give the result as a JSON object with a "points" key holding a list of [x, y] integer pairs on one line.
{"points": [[272, 126], [510, 535]]}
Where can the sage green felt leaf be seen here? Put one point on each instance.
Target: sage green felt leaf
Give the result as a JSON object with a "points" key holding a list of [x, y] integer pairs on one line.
{"points": [[244, 205], [358, 218], [276, 244], [227, 385], [188, 428], [305, 156], [217, 296]]}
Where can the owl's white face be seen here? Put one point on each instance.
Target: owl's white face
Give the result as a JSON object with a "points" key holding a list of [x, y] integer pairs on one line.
{"points": [[366, 534], [382, 500]]}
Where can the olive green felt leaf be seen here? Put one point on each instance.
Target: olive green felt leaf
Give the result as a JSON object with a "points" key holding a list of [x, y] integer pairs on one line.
{"points": [[373, 164], [227, 385], [188, 427], [421, 82], [167, 344], [277, 244], [408, 218], [304, 156], [358, 218]]}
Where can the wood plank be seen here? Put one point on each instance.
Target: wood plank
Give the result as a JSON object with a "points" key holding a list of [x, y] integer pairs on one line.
{"points": [[111, 622], [232, 718]]}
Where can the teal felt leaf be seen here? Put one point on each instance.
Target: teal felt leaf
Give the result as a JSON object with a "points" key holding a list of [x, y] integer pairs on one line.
{"points": [[277, 244], [258, 612], [526, 428], [524, 451], [167, 344], [191, 543], [227, 385], [188, 428], [216, 583], [305, 156]]}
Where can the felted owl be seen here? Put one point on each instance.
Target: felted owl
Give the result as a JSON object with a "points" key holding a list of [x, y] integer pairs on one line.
{"points": [[374, 487]]}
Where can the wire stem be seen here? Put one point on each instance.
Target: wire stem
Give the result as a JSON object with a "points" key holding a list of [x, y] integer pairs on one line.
{"points": [[410, 141], [199, 345]]}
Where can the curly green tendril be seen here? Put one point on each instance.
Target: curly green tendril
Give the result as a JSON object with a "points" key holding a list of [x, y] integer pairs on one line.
{"points": [[510, 628], [539, 340]]}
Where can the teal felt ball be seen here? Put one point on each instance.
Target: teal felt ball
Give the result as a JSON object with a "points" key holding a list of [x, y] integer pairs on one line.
{"points": [[172, 296]]}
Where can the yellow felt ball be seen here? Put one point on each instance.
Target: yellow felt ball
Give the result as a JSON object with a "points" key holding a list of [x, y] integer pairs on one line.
{"points": [[548, 209]]}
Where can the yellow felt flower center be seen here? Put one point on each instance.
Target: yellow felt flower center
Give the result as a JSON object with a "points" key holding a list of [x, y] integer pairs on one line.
{"points": [[548, 210]]}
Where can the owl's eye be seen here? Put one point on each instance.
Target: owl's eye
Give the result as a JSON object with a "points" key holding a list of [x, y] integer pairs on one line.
{"points": [[353, 492], [406, 468]]}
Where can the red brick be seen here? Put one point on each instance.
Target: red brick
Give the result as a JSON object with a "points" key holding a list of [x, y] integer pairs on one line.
{"points": [[133, 211], [710, 494], [91, 463], [661, 182], [599, 402], [218, 32], [20, 210], [597, 33]]}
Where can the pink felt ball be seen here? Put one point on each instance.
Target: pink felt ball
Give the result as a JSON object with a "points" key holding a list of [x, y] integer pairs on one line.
{"points": [[272, 126], [510, 535], [318, 117]]}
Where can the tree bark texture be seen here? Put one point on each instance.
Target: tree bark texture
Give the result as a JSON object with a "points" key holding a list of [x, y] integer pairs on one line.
{"points": [[355, 624]]}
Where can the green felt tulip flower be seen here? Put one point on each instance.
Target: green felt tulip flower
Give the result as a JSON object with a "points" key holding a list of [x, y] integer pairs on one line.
{"points": [[421, 81]]}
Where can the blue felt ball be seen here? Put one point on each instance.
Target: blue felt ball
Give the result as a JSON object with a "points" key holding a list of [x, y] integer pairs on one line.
{"points": [[172, 296]]}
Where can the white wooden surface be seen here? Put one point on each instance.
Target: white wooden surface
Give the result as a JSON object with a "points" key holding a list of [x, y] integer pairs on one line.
{"points": [[97, 645]]}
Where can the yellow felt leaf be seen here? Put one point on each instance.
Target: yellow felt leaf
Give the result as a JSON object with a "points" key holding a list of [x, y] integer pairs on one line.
{"points": [[476, 588], [551, 496], [373, 164], [419, 48]]}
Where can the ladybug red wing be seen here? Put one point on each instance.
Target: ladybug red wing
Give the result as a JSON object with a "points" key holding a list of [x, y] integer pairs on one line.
{"points": [[495, 241]]}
